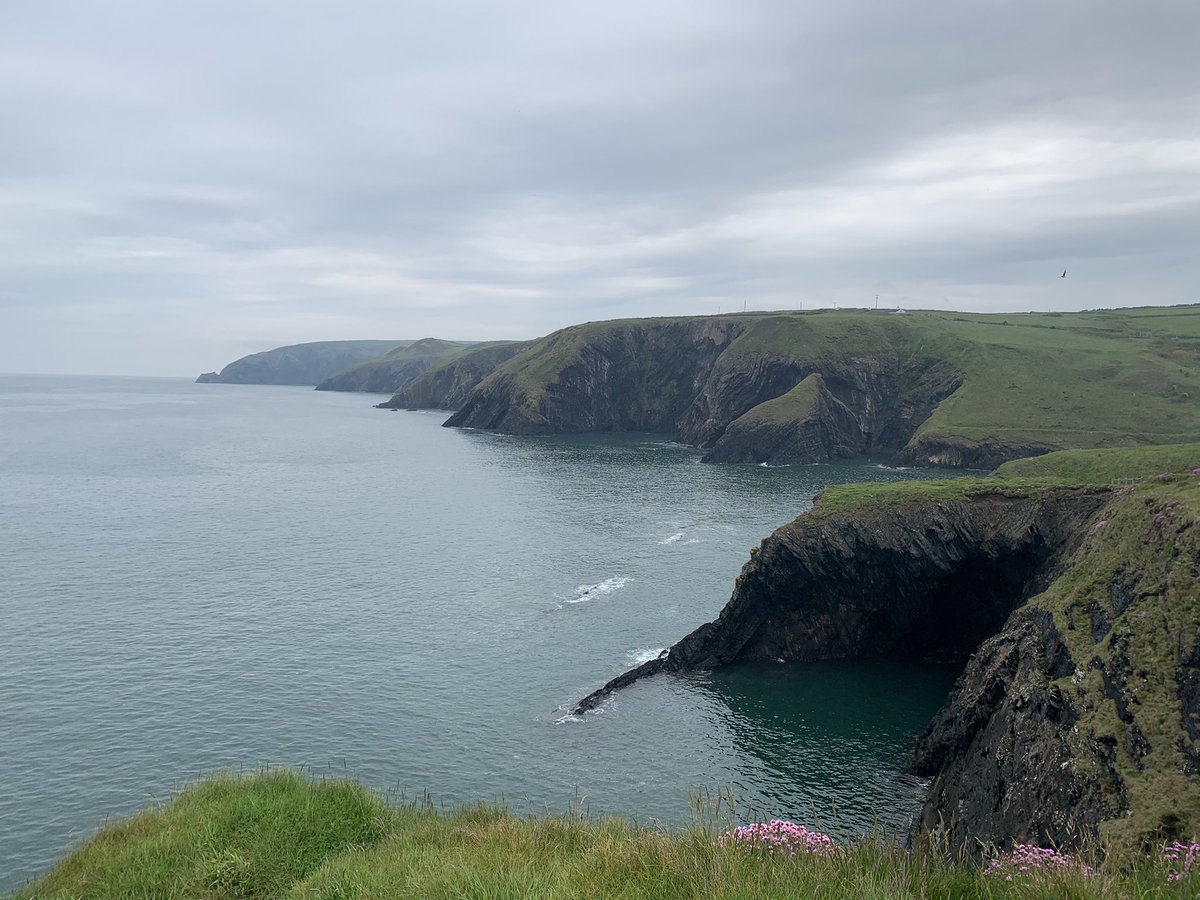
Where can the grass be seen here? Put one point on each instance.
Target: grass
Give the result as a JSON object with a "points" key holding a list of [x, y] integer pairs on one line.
{"points": [[1082, 469], [225, 837], [278, 835], [795, 406], [1111, 378], [1147, 537], [1105, 466]]}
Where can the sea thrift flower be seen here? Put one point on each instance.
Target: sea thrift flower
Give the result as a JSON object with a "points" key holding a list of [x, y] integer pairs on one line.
{"points": [[780, 836], [1181, 859], [1024, 859]]}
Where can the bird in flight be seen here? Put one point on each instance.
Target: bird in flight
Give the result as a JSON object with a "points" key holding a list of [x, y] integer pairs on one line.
{"points": [[1064, 274]]}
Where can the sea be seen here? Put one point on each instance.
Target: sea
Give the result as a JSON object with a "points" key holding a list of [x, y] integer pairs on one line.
{"points": [[197, 578]]}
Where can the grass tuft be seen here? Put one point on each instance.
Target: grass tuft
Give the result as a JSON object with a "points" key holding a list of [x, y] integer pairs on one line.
{"points": [[279, 835]]}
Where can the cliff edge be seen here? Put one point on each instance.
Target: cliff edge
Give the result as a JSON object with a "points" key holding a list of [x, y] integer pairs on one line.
{"points": [[1077, 716], [299, 364], [956, 390]]}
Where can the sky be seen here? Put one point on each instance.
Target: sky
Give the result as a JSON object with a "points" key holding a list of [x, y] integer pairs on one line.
{"points": [[183, 183]]}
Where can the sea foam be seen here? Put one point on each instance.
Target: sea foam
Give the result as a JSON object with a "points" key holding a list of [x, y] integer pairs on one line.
{"points": [[586, 592], [643, 655]]}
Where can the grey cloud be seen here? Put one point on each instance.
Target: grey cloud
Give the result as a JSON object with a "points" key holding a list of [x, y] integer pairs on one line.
{"points": [[196, 179]]}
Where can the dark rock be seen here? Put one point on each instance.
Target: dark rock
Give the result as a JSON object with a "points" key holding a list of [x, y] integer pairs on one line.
{"points": [[389, 373], [447, 384], [1002, 769]]}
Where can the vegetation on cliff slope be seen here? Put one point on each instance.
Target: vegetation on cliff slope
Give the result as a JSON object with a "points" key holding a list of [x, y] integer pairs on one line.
{"points": [[278, 835], [303, 364], [1127, 610], [1075, 591], [946, 388], [447, 384], [390, 372]]}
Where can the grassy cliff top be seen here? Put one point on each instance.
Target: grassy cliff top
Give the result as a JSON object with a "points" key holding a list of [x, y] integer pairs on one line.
{"points": [[278, 835], [1069, 380], [1107, 468]]}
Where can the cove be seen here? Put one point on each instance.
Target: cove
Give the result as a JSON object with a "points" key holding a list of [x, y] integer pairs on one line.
{"points": [[202, 577]]}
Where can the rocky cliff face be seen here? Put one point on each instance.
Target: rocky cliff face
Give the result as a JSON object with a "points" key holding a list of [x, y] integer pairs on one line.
{"points": [[302, 364], [944, 389], [389, 373], [746, 389], [447, 385], [1077, 713], [638, 376]]}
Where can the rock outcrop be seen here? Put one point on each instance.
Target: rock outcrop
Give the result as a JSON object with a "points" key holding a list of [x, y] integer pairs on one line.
{"points": [[447, 385], [300, 364], [1078, 713], [612, 376], [799, 387], [389, 373]]}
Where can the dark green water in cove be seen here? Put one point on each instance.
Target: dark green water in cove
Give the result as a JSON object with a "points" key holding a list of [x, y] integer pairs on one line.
{"points": [[205, 577]]}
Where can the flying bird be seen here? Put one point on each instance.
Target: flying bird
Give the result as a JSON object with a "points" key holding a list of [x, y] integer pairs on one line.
{"points": [[1064, 274]]}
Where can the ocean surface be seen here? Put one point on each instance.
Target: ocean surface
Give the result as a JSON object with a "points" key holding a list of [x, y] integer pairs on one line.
{"points": [[197, 578]]}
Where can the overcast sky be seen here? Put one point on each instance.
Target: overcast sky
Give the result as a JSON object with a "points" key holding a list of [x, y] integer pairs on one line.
{"points": [[182, 183]]}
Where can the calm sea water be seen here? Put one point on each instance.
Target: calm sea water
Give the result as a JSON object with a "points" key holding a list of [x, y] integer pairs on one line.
{"points": [[206, 577]]}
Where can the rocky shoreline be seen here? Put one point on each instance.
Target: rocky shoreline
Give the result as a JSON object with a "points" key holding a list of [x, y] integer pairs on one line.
{"points": [[1075, 719]]}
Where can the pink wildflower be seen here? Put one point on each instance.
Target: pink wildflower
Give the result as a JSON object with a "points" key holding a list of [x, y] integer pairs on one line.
{"points": [[1026, 858], [1181, 859], [780, 836]]}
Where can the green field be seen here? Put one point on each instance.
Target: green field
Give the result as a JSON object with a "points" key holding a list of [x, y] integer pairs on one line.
{"points": [[1023, 382]]}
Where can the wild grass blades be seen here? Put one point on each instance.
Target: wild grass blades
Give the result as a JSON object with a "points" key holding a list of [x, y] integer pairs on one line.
{"points": [[1026, 860], [1181, 859], [281, 835]]}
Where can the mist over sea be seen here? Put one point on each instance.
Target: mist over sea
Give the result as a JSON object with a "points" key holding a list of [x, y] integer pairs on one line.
{"points": [[206, 577]]}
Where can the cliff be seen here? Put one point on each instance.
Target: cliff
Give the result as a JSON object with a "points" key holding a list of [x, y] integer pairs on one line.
{"points": [[389, 373], [447, 384], [922, 388], [616, 376], [1077, 716], [306, 364]]}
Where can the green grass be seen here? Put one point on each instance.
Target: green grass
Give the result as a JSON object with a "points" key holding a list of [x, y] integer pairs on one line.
{"points": [[1113, 378], [795, 406], [1147, 535], [1082, 469], [278, 835], [1104, 466], [226, 837]]}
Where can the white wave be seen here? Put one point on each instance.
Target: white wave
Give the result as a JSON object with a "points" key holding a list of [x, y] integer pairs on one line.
{"points": [[643, 655], [586, 592], [675, 538], [570, 717]]}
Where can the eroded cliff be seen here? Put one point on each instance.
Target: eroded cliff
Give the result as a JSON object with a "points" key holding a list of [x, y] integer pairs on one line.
{"points": [[922, 388], [1077, 715], [394, 370], [447, 384]]}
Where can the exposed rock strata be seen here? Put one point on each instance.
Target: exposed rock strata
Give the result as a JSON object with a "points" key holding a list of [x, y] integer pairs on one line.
{"points": [[1078, 713], [447, 385], [622, 377], [393, 371], [728, 385]]}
